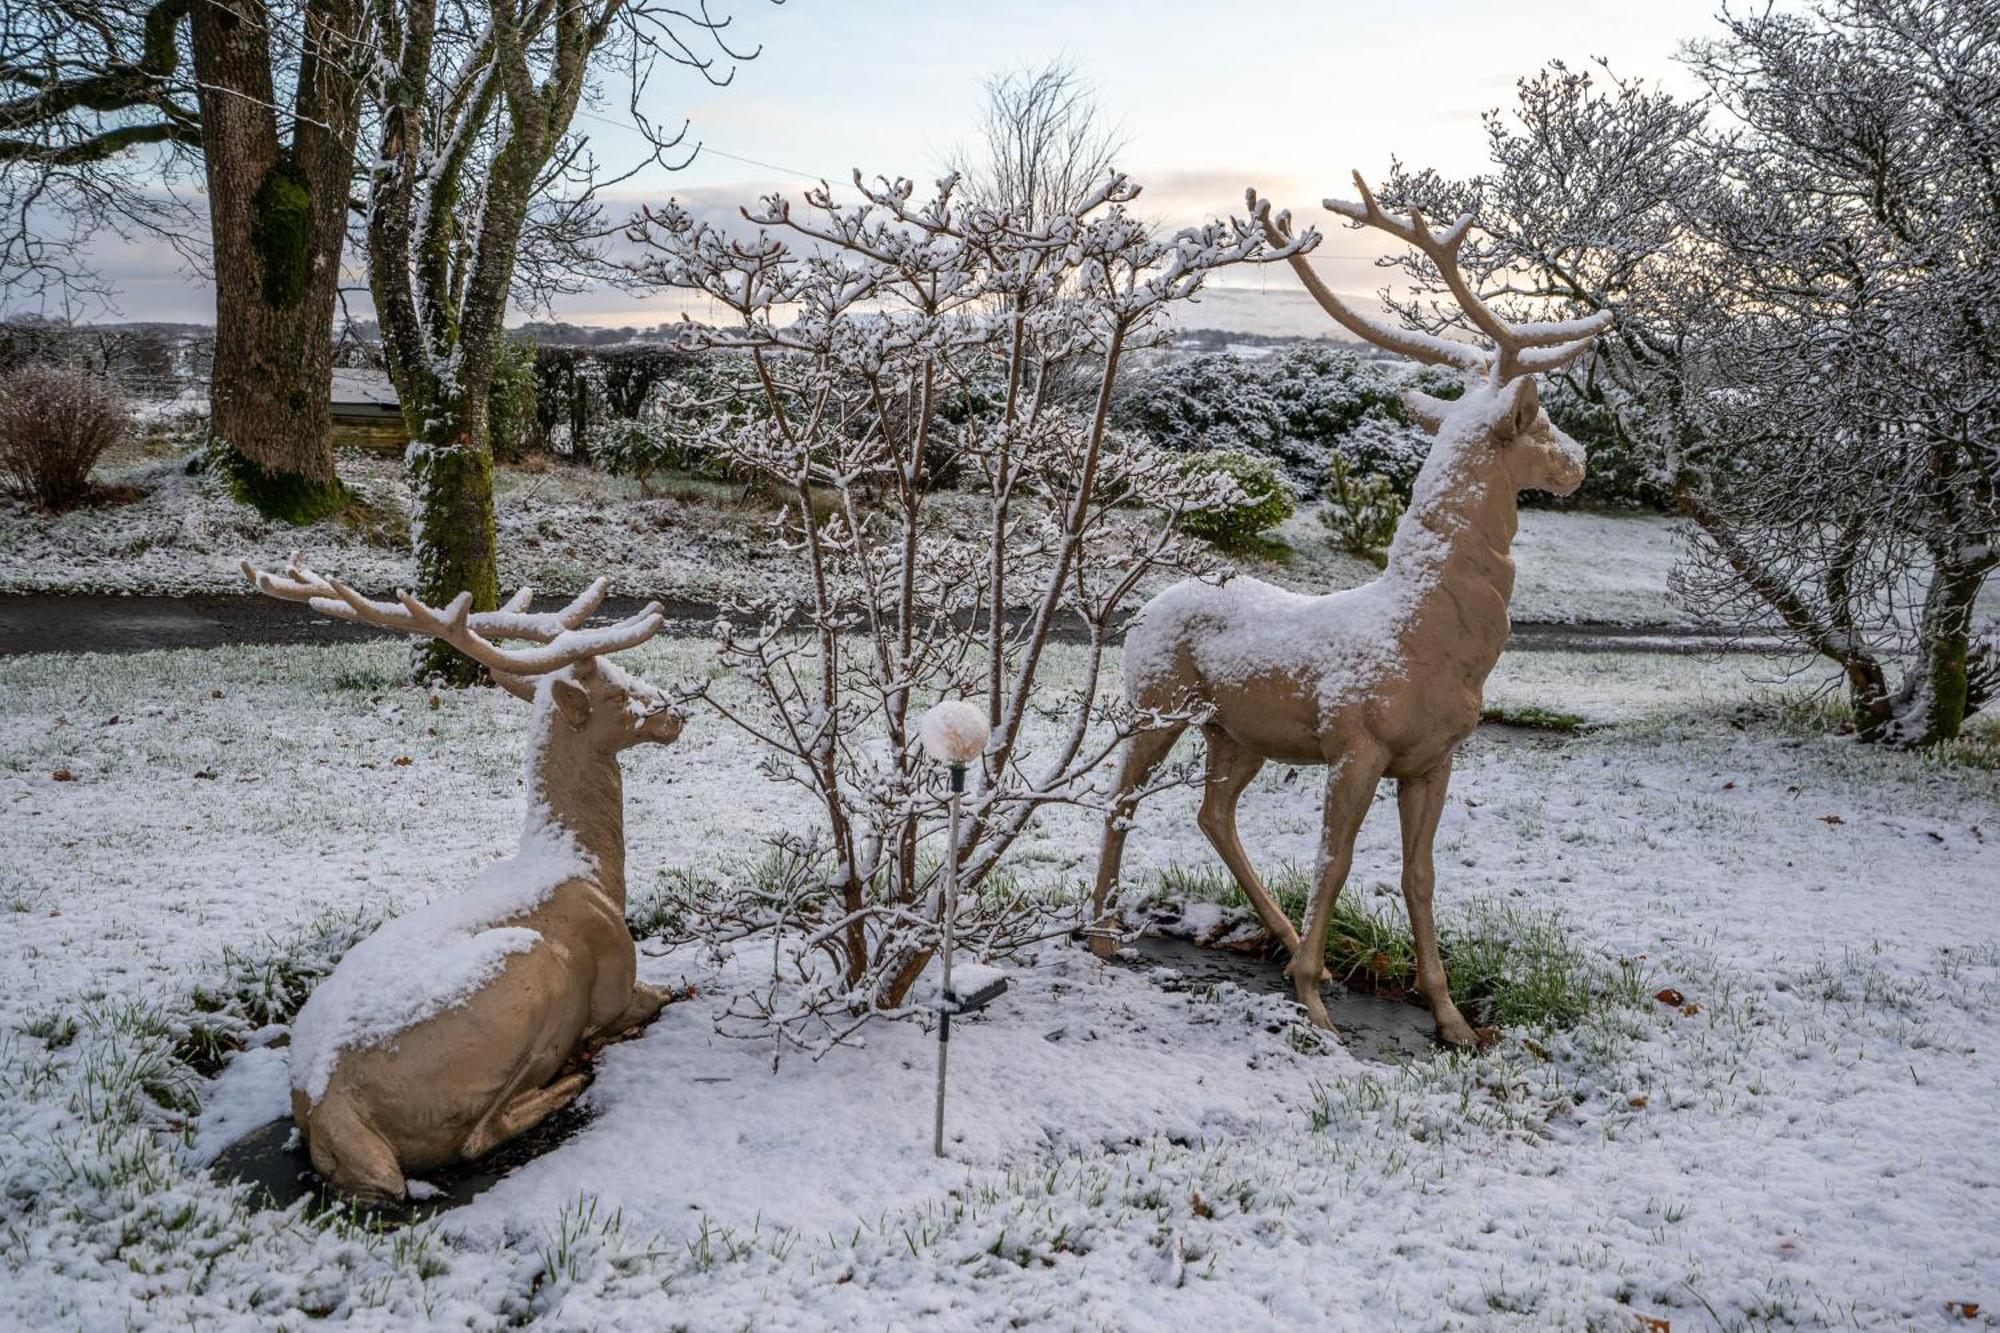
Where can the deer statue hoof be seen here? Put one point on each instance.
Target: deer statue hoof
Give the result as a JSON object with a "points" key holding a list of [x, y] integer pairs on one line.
{"points": [[1453, 1030], [647, 1001], [1308, 981]]}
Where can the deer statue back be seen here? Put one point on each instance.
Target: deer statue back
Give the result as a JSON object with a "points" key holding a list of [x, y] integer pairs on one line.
{"points": [[1384, 680], [458, 1025]]}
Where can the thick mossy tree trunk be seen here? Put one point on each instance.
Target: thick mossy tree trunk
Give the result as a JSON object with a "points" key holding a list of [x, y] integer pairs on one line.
{"points": [[451, 484], [441, 268], [278, 214]]}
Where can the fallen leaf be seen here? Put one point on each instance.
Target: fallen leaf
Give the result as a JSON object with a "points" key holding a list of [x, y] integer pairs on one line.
{"points": [[1690, 1010], [63, 775], [215, 694], [1653, 1324], [1729, 785], [1638, 1103], [403, 761], [1963, 1309], [1670, 996], [1831, 820], [1201, 1207]]}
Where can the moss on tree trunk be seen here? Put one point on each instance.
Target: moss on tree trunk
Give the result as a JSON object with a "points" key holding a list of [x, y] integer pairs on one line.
{"points": [[278, 200], [452, 492]]}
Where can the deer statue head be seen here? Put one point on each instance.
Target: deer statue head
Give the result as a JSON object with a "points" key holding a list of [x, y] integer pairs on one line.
{"points": [[463, 1022], [1501, 409]]}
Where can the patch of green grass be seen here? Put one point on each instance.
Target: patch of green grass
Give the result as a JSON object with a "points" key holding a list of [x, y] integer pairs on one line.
{"points": [[1535, 717], [1506, 966]]}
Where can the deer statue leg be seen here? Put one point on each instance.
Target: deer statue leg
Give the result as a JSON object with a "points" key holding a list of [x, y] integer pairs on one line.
{"points": [[1144, 752], [1419, 801], [1350, 787], [1231, 768]]}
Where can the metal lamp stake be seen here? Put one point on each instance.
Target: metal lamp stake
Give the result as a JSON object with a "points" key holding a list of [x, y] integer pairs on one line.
{"points": [[954, 732], [949, 998]]}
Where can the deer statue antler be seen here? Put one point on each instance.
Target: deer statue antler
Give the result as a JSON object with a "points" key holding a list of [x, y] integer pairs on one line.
{"points": [[1518, 348], [560, 635]]}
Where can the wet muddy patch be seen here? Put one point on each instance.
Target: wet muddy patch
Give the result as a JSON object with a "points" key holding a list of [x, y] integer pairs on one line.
{"points": [[1371, 1027], [274, 1160]]}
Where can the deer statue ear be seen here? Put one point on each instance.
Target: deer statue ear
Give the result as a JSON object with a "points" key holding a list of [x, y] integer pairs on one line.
{"points": [[1425, 410], [572, 699], [1520, 404]]}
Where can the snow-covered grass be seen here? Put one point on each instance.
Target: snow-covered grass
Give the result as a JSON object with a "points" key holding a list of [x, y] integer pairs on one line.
{"points": [[1805, 1137], [562, 526]]}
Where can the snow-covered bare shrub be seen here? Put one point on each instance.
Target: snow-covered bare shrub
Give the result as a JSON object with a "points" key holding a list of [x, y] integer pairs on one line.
{"points": [[54, 426], [1260, 501], [860, 323]]}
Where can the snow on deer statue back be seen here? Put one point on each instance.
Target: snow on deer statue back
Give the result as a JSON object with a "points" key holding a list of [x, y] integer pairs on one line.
{"points": [[1380, 680], [456, 1026]]}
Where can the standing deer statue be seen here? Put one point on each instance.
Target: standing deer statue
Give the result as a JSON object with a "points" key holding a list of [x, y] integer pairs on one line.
{"points": [[456, 1026], [1384, 680]]}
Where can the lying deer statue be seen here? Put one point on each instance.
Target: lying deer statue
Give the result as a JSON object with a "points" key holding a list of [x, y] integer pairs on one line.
{"points": [[451, 1028], [1383, 680]]}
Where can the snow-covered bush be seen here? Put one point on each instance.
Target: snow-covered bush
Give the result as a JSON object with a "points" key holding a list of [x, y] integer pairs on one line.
{"points": [[1302, 407], [860, 328], [510, 403], [1362, 509], [1205, 402], [54, 426], [1383, 444], [1323, 390], [1259, 500]]}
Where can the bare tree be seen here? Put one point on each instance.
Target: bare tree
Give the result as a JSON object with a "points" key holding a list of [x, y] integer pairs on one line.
{"points": [[888, 342], [1806, 269], [106, 103], [1045, 144], [481, 191]]}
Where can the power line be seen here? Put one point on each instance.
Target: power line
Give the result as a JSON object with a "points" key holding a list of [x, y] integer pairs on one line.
{"points": [[707, 148]]}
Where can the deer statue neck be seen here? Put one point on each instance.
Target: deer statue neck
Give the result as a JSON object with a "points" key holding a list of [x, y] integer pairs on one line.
{"points": [[1453, 549], [575, 785]]}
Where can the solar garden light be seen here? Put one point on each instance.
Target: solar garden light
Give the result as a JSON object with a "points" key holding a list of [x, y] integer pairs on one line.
{"points": [[954, 733]]}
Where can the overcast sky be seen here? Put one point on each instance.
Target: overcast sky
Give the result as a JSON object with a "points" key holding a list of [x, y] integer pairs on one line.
{"points": [[1211, 97]]}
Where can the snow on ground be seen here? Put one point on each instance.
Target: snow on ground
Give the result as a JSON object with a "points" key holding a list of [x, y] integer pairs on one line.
{"points": [[561, 527], [1812, 1144]]}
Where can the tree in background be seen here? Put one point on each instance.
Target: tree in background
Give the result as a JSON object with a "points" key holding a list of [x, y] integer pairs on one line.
{"points": [[1808, 293], [481, 192], [1045, 145], [104, 102]]}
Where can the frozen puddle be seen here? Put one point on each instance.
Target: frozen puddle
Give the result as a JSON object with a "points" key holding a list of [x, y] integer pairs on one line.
{"points": [[1370, 1027]]}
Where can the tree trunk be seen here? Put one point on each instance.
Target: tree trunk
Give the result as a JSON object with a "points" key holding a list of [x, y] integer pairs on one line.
{"points": [[1936, 699], [278, 217], [451, 483]]}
